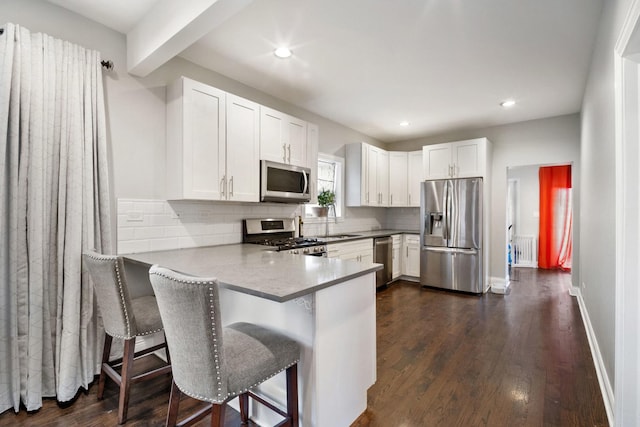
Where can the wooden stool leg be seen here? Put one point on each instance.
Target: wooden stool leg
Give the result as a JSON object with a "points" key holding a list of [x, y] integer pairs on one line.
{"points": [[292, 394], [244, 408], [217, 415], [166, 350], [174, 403], [105, 359], [125, 384]]}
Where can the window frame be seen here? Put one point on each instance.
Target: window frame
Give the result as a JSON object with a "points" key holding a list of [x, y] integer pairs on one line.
{"points": [[340, 191]]}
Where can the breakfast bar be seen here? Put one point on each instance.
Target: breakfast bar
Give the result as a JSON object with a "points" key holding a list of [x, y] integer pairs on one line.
{"points": [[327, 305]]}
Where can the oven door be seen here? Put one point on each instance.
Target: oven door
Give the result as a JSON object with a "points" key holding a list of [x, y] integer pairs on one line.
{"points": [[280, 182]]}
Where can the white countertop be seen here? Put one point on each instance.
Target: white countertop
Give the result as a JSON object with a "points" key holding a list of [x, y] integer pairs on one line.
{"points": [[257, 270]]}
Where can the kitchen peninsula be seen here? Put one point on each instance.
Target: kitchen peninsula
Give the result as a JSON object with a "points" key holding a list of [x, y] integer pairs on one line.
{"points": [[328, 305]]}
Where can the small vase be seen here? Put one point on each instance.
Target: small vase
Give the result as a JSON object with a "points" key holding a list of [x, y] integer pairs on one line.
{"points": [[321, 211]]}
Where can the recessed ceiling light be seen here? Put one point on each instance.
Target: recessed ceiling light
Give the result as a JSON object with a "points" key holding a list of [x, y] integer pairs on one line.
{"points": [[404, 123], [508, 103], [282, 52]]}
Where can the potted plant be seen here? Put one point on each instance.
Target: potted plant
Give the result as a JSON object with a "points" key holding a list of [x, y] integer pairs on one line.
{"points": [[326, 198]]}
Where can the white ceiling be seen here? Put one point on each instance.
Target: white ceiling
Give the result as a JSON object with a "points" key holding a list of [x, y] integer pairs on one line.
{"points": [[442, 65]]}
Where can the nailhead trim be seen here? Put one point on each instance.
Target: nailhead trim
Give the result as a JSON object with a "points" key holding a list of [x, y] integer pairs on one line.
{"points": [[121, 290], [220, 399], [236, 393]]}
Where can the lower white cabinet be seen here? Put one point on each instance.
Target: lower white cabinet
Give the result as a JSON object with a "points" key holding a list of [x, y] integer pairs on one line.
{"points": [[357, 250], [411, 255], [396, 250]]}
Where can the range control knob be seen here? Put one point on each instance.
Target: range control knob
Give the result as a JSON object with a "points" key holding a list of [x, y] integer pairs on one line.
{"points": [[305, 251]]}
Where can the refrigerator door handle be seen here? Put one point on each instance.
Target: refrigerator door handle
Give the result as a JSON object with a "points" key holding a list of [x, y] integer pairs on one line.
{"points": [[447, 213], [450, 250]]}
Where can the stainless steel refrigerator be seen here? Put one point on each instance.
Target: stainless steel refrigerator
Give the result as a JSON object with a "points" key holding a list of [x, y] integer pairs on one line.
{"points": [[451, 234]]}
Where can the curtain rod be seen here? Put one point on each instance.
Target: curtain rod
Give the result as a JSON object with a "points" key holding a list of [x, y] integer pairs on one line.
{"points": [[108, 64]]}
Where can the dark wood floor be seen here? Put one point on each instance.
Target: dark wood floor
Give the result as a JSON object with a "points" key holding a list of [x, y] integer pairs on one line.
{"points": [[447, 359], [444, 359]]}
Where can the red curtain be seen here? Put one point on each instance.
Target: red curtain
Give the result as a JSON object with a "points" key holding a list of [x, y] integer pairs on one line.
{"points": [[556, 218]]}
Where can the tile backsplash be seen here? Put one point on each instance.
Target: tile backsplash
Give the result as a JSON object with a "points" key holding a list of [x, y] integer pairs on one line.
{"points": [[152, 225]]}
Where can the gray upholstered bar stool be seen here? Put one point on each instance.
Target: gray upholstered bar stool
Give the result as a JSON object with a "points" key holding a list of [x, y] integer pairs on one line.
{"points": [[125, 318], [214, 363]]}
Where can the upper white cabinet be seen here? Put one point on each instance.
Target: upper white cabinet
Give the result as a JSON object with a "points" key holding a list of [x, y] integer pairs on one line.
{"points": [[312, 159], [367, 175], [460, 159], [415, 177], [242, 177], [398, 176], [283, 138], [211, 138]]}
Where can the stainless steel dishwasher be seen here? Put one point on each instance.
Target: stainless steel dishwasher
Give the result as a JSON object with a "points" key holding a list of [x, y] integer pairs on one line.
{"points": [[383, 254]]}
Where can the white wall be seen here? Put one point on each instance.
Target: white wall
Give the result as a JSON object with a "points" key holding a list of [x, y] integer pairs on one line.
{"points": [[597, 248], [555, 140]]}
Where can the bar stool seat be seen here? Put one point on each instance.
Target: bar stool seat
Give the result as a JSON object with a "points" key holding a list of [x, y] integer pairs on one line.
{"points": [[213, 363], [123, 317]]}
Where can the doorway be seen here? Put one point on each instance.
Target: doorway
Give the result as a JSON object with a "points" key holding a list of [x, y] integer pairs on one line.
{"points": [[523, 218]]}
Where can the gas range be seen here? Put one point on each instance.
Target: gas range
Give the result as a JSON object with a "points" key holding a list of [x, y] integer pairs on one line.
{"points": [[280, 234]]}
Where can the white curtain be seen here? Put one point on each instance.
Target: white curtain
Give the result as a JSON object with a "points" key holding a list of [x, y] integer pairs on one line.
{"points": [[54, 203]]}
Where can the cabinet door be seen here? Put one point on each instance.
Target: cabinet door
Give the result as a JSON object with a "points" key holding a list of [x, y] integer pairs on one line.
{"points": [[273, 144], [312, 160], [203, 141], [396, 251], [411, 261], [243, 150], [377, 176], [371, 182], [415, 177], [437, 161], [468, 158], [296, 141], [382, 177], [398, 178]]}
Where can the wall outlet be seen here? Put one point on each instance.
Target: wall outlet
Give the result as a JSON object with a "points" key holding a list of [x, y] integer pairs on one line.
{"points": [[135, 216]]}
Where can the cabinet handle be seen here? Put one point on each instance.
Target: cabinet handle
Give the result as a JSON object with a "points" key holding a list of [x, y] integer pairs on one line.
{"points": [[391, 203], [409, 199], [231, 187], [289, 157], [407, 251], [222, 186], [284, 153]]}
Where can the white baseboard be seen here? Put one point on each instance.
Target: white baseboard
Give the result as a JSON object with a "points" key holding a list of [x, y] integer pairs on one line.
{"points": [[603, 378], [499, 285]]}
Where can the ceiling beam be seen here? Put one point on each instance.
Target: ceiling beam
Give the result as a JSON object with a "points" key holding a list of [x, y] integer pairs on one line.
{"points": [[172, 26]]}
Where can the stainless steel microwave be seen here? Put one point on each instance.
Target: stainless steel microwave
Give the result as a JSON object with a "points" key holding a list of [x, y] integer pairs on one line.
{"points": [[280, 182]]}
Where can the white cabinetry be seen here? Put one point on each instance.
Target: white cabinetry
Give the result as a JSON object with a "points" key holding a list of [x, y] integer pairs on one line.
{"points": [[356, 250], [398, 176], [283, 138], [415, 177], [460, 159], [367, 175], [396, 250], [211, 138], [411, 260]]}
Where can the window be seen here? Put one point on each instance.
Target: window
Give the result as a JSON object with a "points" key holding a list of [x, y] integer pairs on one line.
{"points": [[330, 177]]}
